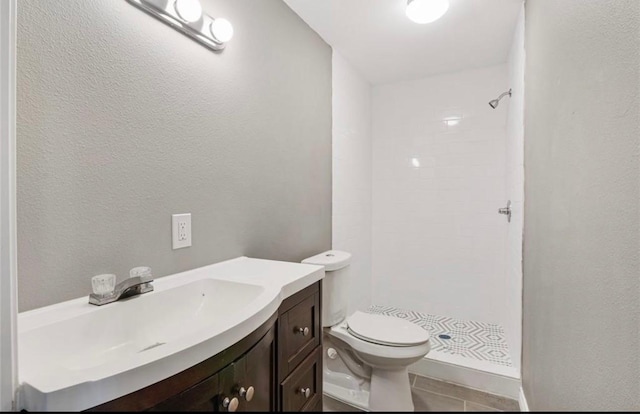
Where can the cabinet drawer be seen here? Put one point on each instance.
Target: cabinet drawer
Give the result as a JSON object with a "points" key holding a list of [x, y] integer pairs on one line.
{"points": [[307, 376], [299, 331]]}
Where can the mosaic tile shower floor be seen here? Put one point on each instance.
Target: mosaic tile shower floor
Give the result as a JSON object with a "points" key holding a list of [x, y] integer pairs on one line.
{"points": [[469, 339]]}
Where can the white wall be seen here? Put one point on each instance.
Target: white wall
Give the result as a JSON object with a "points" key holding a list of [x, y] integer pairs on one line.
{"points": [[8, 282], [352, 176], [515, 193], [438, 242], [581, 325]]}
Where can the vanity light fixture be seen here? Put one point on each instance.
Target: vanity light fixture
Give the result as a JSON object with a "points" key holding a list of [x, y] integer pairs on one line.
{"points": [[221, 29], [187, 16], [426, 11], [189, 10]]}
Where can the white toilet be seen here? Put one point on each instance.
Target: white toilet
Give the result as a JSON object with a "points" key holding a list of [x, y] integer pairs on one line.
{"points": [[366, 355]]}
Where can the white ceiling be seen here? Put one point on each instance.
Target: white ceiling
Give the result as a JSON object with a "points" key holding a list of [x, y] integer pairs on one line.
{"points": [[385, 46]]}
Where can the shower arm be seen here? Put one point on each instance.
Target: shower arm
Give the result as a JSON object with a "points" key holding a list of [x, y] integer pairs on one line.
{"points": [[503, 94]]}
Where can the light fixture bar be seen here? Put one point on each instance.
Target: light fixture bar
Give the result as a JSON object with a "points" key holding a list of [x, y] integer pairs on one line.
{"points": [[166, 11]]}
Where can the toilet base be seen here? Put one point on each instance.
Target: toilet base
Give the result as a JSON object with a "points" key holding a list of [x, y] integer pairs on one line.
{"points": [[390, 390], [370, 388], [355, 398]]}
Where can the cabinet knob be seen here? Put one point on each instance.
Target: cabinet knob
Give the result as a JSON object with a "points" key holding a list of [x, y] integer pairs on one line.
{"points": [[304, 331], [230, 404], [306, 392], [247, 393]]}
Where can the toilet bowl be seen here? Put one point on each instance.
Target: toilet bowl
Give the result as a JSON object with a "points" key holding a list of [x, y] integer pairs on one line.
{"points": [[366, 356]]}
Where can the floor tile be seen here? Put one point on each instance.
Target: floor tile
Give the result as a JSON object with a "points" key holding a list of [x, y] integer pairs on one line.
{"points": [[467, 394], [330, 405], [469, 406], [469, 339], [428, 401]]}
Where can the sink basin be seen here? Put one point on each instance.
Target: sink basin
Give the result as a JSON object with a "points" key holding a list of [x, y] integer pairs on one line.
{"points": [[120, 332]]}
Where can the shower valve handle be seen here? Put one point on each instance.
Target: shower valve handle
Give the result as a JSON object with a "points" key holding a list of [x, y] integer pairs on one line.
{"points": [[506, 211]]}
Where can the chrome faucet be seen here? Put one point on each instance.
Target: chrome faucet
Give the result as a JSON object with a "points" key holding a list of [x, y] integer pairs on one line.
{"points": [[137, 284]]}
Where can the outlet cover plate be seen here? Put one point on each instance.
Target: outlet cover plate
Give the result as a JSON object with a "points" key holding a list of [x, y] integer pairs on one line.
{"points": [[181, 230]]}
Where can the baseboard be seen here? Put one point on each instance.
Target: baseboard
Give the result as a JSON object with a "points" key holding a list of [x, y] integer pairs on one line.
{"points": [[490, 382], [522, 399]]}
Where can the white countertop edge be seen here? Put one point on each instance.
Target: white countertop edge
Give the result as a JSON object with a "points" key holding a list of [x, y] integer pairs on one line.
{"points": [[89, 394]]}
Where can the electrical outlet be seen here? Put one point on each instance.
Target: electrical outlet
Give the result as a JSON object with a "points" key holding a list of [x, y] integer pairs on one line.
{"points": [[181, 230]]}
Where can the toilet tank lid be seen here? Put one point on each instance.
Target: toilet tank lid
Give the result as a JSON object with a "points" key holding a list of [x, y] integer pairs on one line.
{"points": [[331, 260]]}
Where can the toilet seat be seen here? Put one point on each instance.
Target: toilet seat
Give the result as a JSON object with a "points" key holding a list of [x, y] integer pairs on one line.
{"points": [[386, 330], [366, 349]]}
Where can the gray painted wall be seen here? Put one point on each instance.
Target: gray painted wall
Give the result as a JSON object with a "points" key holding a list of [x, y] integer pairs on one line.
{"points": [[123, 121], [582, 236]]}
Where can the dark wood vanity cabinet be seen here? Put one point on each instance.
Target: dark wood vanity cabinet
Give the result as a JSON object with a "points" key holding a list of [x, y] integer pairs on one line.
{"points": [[251, 376], [278, 367]]}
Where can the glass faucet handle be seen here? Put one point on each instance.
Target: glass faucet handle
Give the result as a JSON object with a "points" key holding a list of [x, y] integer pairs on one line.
{"points": [[141, 271], [103, 284]]}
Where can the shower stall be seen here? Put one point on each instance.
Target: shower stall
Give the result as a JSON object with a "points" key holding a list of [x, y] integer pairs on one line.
{"points": [[428, 195], [439, 244]]}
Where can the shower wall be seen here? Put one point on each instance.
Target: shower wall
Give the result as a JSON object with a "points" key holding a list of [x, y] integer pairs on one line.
{"points": [[439, 177], [352, 176], [515, 193]]}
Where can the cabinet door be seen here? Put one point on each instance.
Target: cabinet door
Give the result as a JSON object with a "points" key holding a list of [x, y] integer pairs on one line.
{"points": [[231, 379], [261, 374], [200, 397], [249, 384]]}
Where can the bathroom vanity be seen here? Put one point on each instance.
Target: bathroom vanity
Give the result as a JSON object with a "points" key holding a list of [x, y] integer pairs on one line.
{"points": [[244, 335]]}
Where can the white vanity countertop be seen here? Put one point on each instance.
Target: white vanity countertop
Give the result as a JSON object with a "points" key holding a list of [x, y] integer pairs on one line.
{"points": [[73, 355]]}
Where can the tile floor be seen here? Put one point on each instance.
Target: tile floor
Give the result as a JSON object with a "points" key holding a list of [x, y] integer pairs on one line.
{"points": [[469, 339], [433, 395]]}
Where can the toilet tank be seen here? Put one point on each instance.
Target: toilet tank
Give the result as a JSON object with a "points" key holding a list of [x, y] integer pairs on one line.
{"points": [[334, 285]]}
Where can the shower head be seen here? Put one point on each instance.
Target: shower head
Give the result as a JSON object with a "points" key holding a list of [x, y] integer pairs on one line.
{"points": [[494, 103]]}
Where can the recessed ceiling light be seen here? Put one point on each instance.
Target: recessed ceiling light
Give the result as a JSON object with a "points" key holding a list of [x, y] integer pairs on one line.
{"points": [[426, 11]]}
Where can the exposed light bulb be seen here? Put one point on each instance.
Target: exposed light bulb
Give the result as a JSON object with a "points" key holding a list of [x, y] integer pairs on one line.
{"points": [[426, 11], [189, 10], [222, 30], [415, 162]]}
